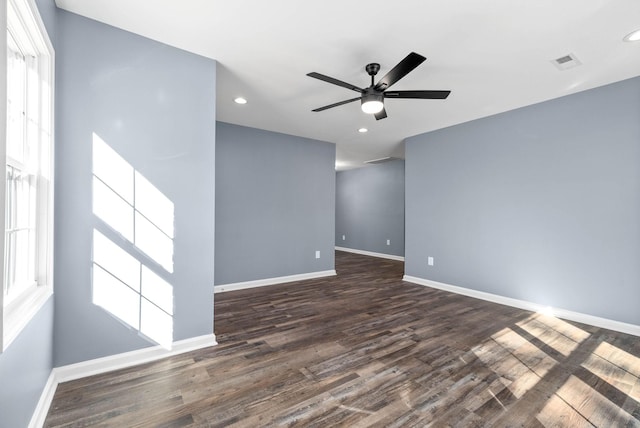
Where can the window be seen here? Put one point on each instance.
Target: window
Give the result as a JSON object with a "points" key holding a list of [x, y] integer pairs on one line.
{"points": [[27, 176]]}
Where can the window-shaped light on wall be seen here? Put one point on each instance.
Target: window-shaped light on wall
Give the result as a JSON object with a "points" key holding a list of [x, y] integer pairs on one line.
{"points": [[113, 181], [131, 292], [153, 222], [116, 280], [126, 268], [131, 205], [156, 310]]}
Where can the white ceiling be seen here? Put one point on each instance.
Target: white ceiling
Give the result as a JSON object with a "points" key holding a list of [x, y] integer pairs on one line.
{"points": [[494, 55]]}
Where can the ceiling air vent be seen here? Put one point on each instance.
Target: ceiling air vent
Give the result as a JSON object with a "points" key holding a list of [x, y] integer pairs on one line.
{"points": [[566, 62]]}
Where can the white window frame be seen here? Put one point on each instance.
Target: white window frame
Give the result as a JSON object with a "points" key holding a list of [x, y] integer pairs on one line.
{"points": [[19, 311]]}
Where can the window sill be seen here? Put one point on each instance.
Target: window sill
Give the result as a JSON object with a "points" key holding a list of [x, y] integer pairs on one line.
{"points": [[18, 313]]}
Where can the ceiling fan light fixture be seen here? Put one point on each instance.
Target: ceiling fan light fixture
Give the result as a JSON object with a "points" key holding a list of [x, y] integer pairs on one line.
{"points": [[372, 103]]}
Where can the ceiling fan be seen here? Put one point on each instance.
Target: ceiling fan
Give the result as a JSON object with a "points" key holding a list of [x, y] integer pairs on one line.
{"points": [[372, 98]]}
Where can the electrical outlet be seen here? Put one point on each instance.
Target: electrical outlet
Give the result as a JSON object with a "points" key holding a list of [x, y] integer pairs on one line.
{"points": [[317, 254], [388, 241], [430, 261], [344, 237]]}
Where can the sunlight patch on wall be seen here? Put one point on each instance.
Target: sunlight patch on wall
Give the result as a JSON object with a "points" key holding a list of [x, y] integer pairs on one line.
{"points": [[126, 201], [116, 297], [112, 209], [131, 292], [124, 283], [156, 311]]}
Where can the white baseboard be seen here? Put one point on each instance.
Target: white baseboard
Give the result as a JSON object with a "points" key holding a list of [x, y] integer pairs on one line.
{"points": [[272, 281], [530, 306], [42, 408], [371, 253], [110, 363]]}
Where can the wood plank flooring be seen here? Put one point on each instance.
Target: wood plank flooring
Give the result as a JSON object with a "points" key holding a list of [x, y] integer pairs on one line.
{"points": [[366, 349]]}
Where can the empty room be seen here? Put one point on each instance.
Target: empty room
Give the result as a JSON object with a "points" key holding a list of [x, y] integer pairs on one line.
{"points": [[252, 213]]}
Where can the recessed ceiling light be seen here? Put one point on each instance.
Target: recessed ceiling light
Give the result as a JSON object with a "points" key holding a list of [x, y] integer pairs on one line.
{"points": [[634, 36], [240, 100], [363, 130]]}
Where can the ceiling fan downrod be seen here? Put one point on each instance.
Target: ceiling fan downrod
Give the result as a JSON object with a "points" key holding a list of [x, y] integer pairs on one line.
{"points": [[372, 69]]}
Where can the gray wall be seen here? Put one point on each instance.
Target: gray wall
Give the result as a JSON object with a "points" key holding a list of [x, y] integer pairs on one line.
{"points": [[155, 106], [25, 366], [275, 199], [370, 208], [540, 204]]}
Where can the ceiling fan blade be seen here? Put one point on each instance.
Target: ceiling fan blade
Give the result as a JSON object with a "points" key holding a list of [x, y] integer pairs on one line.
{"points": [[381, 114], [424, 95], [403, 68], [334, 81], [336, 104]]}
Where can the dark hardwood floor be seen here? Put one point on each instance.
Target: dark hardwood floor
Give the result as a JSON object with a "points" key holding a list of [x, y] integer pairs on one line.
{"points": [[366, 349]]}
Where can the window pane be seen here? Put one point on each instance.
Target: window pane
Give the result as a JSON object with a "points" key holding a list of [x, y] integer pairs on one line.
{"points": [[19, 267], [16, 100], [20, 199], [20, 236], [32, 109]]}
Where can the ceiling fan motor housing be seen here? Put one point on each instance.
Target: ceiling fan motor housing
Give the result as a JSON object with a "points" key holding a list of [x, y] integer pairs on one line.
{"points": [[370, 94]]}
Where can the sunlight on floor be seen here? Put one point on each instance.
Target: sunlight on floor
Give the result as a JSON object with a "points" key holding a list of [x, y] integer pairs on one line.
{"points": [[589, 404], [517, 354], [519, 363], [553, 332]]}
